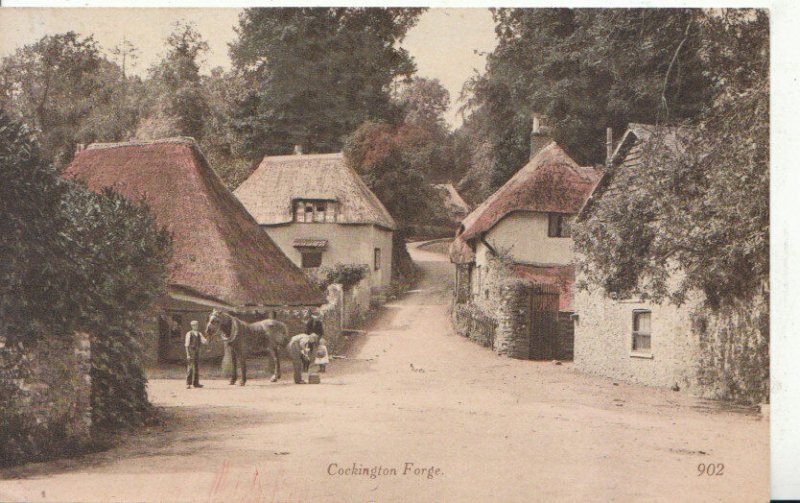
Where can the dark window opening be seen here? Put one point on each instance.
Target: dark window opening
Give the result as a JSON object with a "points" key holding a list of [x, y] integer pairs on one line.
{"points": [[557, 226], [311, 259], [377, 259]]}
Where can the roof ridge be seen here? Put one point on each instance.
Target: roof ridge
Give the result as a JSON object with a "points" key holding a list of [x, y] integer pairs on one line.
{"points": [[175, 140], [302, 157]]}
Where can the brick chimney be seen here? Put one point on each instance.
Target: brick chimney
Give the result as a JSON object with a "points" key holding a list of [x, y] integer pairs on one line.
{"points": [[540, 133], [298, 150]]}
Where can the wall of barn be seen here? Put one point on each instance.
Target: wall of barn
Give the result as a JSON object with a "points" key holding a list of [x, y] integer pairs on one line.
{"points": [[522, 236], [604, 341], [48, 411], [347, 244]]}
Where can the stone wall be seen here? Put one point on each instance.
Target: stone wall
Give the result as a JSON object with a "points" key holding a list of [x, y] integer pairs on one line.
{"points": [[603, 341], [47, 408], [469, 321], [513, 319], [499, 310]]}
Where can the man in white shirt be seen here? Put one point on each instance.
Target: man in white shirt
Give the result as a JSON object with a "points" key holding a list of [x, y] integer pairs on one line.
{"points": [[301, 348], [194, 339]]}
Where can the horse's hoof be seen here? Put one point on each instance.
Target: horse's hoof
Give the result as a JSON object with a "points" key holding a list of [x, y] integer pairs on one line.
{"points": [[241, 384]]}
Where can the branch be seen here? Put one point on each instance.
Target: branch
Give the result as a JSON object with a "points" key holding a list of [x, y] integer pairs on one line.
{"points": [[669, 70]]}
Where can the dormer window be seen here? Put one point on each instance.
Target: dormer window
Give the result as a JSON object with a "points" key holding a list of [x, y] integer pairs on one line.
{"points": [[314, 211]]}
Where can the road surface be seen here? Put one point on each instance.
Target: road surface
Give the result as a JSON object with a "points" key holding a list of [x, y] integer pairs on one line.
{"points": [[418, 413]]}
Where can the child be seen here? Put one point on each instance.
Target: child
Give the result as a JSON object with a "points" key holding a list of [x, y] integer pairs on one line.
{"points": [[322, 355]]}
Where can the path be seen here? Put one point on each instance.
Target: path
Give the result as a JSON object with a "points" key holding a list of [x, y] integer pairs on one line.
{"points": [[414, 392]]}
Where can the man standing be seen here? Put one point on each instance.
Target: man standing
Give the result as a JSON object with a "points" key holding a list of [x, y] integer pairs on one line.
{"points": [[313, 326], [194, 339], [300, 349]]}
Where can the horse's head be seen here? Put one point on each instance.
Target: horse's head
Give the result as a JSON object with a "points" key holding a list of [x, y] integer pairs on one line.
{"points": [[215, 321]]}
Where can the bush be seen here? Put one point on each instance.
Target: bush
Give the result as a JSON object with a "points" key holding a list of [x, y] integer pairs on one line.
{"points": [[347, 275], [73, 260]]}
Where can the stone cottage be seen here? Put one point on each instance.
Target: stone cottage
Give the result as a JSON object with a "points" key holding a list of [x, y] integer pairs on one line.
{"points": [[626, 337], [221, 258], [721, 352], [522, 232], [320, 213]]}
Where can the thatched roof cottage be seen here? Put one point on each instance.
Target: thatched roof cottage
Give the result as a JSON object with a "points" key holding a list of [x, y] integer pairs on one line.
{"points": [[221, 258], [320, 212], [526, 223]]}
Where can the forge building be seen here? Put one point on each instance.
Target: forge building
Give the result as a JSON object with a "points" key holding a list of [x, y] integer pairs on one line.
{"points": [[221, 258]]}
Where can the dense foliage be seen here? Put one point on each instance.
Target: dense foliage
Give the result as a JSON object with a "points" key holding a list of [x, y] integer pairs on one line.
{"points": [[74, 260], [179, 106], [586, 69], [347, 275], [68, 92], [314, 74], [702, 206]]}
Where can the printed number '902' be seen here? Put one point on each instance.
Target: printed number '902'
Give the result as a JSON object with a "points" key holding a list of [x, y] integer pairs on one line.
{"points": [[710, 469]]}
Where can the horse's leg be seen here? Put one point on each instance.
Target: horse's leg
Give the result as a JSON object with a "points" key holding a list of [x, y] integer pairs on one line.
{"points": [[243, 360], [276, 363]]}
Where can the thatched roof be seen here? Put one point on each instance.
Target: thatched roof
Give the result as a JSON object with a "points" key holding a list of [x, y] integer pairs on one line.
{"points": [[454, 205], [268, 193], [551, 182], [219, 250]]}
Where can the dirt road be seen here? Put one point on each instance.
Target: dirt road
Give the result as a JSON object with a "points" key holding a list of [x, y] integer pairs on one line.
{"points": [[435, 418]]}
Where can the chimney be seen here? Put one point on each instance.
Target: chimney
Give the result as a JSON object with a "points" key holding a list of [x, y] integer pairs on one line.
{"points": [[80, 147], [540, 134], [298, 150], [609, 145]]}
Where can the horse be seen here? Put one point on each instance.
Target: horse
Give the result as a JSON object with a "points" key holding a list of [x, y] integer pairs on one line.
{"points": [[235, 333]]}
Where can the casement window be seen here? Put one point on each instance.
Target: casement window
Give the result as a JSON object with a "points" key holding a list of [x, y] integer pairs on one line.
{"points": [[641, 331], [377, 259], [314, 211], [557, 225], [310, 259]]}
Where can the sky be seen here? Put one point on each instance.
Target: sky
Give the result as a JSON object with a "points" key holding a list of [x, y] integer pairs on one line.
{"points": [[447, 44]]}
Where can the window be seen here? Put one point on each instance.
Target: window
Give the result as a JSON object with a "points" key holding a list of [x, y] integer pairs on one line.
{"points": [[641, 331], [310, 259], [557, 226], [377, 259], [314, 211]]}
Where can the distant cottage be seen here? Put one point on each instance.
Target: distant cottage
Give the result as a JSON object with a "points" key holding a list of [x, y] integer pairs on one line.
{"points": [[523, 231], [320, 213], [221, 257]]}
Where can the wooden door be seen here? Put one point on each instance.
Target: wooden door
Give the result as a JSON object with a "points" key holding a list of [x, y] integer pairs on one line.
{"points": [[543, 323]]}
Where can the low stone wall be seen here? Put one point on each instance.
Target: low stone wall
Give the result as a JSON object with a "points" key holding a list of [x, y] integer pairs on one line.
{"points": [[46, 402], [469, 321]]}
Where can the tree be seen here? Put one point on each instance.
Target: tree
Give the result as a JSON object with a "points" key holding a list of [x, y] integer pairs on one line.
{"points": [[702, 208], [74, 260], [587, 69], [68, 93], [180, 106], [384, 157], [424, 103], [315, 74]]}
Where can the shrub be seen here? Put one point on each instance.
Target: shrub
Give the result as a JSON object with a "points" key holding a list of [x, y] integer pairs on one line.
{"points": [[347, 275]]}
